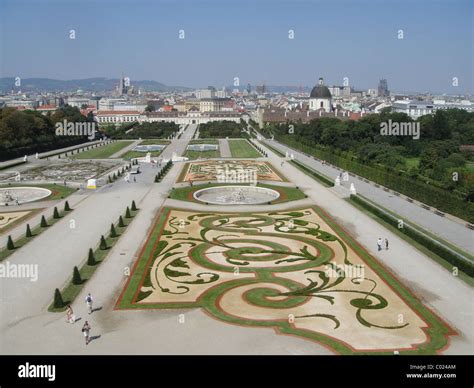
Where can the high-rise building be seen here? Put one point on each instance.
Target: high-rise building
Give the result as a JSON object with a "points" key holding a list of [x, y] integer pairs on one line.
{"points": [[261, 89], [123, 86], [383, 88], [249, 88]]}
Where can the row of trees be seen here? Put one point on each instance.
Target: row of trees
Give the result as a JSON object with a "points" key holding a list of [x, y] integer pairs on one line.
{"points": [[434, 157], [431, 169], [155, 130], [27, 132], [221, 129]]}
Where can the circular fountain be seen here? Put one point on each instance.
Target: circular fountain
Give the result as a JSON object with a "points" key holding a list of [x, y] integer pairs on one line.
{"points": [[14, 195], [236, 195]]}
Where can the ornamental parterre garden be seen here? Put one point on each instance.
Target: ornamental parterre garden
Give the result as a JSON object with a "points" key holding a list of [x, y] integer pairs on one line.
{"points": [[251, 243], [294, 270], [210, 170]]}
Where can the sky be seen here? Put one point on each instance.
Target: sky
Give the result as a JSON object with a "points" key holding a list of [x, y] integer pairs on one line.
{"points": [[247, 39]]}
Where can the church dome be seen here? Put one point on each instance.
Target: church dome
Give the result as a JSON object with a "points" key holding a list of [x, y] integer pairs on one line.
{"points": [[320, 91]]}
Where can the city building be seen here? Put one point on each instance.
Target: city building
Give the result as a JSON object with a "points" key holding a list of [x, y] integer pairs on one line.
{"points": [[383, 88], [320, 97], [78, 101], [116, 117], [213, 104], [416, 108]]}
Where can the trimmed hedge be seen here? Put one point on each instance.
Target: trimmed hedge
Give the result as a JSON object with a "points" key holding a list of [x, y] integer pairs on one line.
{"points": [[461, 262], [313, 173], [441, 199]]}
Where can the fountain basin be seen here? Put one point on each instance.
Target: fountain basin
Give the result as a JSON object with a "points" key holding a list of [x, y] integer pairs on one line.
{"points": [[9, 195], [149, 148], [236, 195], [202, 147]]}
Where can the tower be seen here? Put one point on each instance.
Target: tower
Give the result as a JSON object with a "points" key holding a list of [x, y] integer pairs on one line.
{"points": [[320, 97]]}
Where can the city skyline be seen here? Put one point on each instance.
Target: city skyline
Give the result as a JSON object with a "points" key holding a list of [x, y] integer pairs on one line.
{"points": [[358, 41]]}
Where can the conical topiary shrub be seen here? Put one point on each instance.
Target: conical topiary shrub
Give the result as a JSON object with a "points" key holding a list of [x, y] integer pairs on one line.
{"points": [[90, 257], [66, 207], [121, 223], [28, 231], [127, 213], [103, 243], [58, 299], [113, 233], [43, 223], [134, 206], [76, 276], [55, 213], [10, 244]]}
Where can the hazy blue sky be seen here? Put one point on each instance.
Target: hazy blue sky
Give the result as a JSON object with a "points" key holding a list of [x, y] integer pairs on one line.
{"points": [[245, 39]]}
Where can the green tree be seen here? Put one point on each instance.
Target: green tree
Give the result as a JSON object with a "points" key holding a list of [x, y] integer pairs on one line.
{"points": [[113, 232], [58, 299], [91, 258], [10, 244], [76, 276]]}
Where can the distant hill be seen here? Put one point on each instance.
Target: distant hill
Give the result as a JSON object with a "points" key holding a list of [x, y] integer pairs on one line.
{"points": [[102, 84], [99, 84], [276, 88]]}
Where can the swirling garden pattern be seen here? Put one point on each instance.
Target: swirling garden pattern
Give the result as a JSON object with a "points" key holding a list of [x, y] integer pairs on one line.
{"points": [[295, 271], [209, 170], [8, 218]]}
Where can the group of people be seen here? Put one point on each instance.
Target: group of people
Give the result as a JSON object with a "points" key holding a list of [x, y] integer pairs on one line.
{"points": [[71, 318], [380, 242]]}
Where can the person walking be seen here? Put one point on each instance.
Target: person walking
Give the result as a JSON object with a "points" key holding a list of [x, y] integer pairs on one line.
{"points": [[86, 329], [379, 244], [89, 302], [386, 244], [70, 318]]}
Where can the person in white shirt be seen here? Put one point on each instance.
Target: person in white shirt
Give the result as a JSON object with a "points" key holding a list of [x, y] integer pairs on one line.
{"points": [[379, 244], [89, 301], [86, 331]]}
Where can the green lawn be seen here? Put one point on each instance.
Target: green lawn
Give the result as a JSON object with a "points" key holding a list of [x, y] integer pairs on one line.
{"points": [[154, 141], [103, 152], [242, 149], [286, 193]]}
